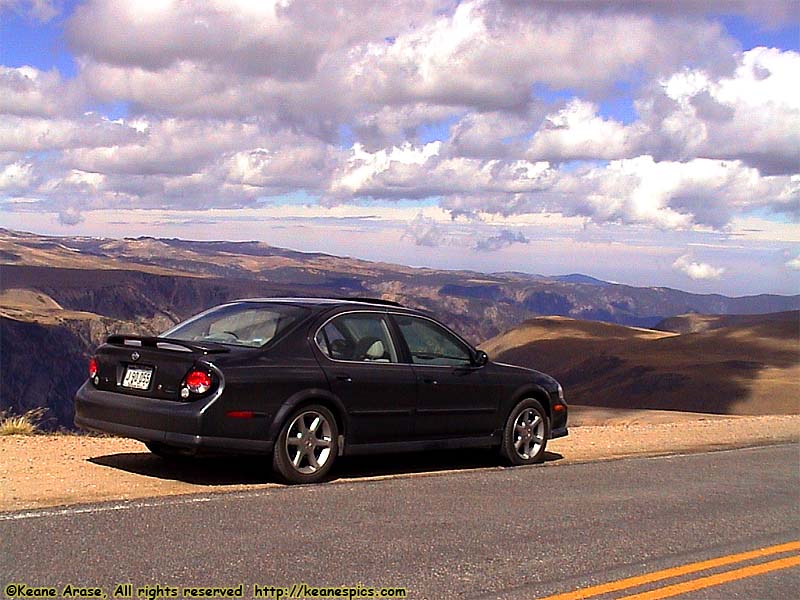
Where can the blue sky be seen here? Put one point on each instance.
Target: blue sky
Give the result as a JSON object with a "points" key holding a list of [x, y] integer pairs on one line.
{"points": [[648, 143]]}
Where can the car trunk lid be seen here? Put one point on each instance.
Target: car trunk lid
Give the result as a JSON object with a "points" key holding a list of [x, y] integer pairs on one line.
{"points": [[153, 367]]}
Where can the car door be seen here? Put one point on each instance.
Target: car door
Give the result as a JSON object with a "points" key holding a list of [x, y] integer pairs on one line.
{"points": [[360, 360], [453, 398]]}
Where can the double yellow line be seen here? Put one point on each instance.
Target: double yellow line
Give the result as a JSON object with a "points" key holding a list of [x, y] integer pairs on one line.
{"points": [[693, 584]]}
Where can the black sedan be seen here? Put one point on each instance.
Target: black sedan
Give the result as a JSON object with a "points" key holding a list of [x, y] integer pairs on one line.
{"points": [[305, 380]]}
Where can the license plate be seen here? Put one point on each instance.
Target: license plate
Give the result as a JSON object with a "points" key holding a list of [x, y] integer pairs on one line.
{"points": [[137, 378]]}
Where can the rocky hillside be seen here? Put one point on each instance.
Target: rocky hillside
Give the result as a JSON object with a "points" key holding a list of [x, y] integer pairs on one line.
{"points": [[60, 297]]}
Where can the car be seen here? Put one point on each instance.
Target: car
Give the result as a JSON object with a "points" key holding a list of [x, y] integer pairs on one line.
{"points": [[304, 381]]}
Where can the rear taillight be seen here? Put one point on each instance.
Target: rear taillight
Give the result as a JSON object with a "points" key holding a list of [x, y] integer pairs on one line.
{"points": [[198, 382], [92, 368]]}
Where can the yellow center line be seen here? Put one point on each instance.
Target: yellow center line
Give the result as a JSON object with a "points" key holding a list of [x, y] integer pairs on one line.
{"points": [[718, 579], [629, 582]]}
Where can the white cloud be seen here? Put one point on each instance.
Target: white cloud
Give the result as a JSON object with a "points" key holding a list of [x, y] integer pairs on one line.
{"points": [[178, 146], [503, 239], [289, 162], [425, 231], [16, 177], [794, 263], [39, 10], [363, 168], [488, 54], [309, 62], [29, 91], [577, 132], [277, 39], [697, 270], [667, 195], [752, 115], [40, 134], [229, 102]]}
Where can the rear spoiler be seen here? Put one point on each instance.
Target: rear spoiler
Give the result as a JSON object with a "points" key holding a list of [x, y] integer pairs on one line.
{"points": [[166, 344]]}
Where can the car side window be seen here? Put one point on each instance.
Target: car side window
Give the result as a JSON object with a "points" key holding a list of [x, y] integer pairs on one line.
{"points": [[361, 337], [430, 344]]}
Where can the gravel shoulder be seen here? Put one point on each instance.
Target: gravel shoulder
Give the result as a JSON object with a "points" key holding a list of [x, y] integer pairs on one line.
{"points": [[51, 470]]}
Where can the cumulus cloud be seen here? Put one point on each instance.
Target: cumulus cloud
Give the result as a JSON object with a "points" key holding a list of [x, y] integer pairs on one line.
{"points": [[425, 231], [69, 216], [488, 54], [39, 134], [478, 235], [26, 91], [16, 177], [752, 115], [504, 238], [768, 12], [227, 102], [668, 195], [577, 132], [275, 39], [307, 63], [38, 10], [697, 270]]}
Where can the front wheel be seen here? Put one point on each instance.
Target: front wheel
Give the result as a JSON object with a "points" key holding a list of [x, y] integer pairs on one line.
{"points": [[525, 434], [307, 445]]}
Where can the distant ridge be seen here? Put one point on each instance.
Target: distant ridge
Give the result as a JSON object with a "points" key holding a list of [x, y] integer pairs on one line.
{"points": [[579, 278], [697, 323]]}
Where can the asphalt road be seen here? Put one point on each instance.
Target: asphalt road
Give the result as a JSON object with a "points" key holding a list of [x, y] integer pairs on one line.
{"points": [[484, 533]]}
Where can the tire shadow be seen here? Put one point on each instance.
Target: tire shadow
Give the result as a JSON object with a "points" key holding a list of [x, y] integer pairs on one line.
{"points": [[238, 470]]}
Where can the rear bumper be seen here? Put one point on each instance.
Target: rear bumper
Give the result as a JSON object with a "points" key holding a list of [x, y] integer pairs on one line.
{"points": [[560, 432], [149, 420]]}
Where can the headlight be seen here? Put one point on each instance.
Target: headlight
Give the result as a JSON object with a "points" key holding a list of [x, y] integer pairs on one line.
{"points": [[560, 393]]}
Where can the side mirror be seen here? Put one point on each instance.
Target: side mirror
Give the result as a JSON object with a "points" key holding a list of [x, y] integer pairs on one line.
{"points": [[481, 358]]}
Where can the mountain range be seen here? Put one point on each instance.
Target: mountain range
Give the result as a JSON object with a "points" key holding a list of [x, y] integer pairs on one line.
{"points": [[61, 296]]}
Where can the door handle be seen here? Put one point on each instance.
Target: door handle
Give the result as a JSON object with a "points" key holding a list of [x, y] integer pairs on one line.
{"points": [[431, 381], [345, 378]]}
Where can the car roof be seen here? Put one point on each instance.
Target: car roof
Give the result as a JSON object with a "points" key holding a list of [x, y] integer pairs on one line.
{"points": [[330, 302]]}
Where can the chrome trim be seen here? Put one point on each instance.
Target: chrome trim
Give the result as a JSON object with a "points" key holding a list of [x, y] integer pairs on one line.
{"points": [[358, 362], [172, 347], [220, 388]]}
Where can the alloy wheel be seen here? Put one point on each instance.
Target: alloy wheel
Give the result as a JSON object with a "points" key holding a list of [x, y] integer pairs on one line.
{"points": [[308, 442], [528, 433]]}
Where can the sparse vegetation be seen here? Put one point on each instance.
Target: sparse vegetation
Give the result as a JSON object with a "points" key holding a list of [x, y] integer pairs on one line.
{"points": [[25, 424]]}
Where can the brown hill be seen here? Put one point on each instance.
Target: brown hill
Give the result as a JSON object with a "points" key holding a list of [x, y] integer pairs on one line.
{"points": [[735, 365]]}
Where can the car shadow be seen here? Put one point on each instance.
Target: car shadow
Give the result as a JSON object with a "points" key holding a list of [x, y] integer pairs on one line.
{"points": [[216, 470], [382, 465], [243, 470]]}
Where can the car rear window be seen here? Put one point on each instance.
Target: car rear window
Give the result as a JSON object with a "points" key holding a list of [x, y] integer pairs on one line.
{"points": [[250, 324]]}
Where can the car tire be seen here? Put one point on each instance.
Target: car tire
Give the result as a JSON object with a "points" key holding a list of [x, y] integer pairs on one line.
{"points": [[168, 452], [525, 433], [307, 445]]}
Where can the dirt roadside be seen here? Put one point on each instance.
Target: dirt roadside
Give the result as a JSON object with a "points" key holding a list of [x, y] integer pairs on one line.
{"points": [[52, 470]]}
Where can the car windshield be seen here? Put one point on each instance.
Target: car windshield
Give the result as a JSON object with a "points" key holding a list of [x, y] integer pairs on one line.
{"points": [[250, 324]]}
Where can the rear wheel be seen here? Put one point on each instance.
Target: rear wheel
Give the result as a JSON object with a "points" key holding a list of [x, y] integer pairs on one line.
{"points": [[307, 445], [525, 433]]}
